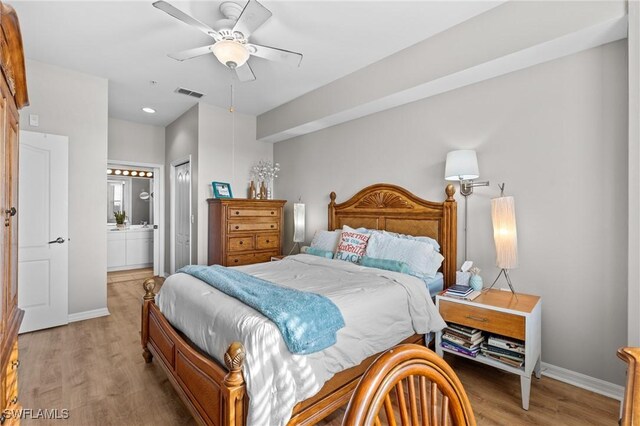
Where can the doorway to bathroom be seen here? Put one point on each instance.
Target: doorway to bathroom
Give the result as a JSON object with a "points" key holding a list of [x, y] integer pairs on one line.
{"points": [[135, 220]]}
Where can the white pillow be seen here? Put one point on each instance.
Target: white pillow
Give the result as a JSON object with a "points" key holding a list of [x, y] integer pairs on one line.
{"points": [[418, 255], [326, 240]]}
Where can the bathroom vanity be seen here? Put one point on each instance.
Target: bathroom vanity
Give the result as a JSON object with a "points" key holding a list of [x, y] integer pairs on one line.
{"points": [[129, 248]]}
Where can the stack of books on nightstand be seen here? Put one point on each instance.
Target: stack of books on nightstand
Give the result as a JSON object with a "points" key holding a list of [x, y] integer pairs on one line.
{"points": [[507, 351], [461, 292], [465, 340]]}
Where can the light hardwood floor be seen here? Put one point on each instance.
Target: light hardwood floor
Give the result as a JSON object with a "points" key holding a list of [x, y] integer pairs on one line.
{"points": [[95, 369]]}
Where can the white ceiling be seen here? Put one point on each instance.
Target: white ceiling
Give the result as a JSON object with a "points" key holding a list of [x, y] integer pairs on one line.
{"points": [[127, 42]]}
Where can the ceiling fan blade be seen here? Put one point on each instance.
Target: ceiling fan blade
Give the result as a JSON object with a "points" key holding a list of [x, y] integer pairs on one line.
{"points": [[253, 15], [245, 73], [187, 19], [275, 54], [191, 53]]}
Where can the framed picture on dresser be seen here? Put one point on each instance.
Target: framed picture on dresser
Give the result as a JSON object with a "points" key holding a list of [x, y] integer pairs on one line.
{"points": [[221, 190]]}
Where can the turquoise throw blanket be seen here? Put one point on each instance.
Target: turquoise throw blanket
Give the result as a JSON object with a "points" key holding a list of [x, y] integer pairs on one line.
{"points": [[308, 321]]}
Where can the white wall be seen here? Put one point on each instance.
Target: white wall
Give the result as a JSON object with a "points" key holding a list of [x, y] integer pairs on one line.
{"points": [[556, 134], [129, 141], [225, 157], [75, 105], [181, 141]]}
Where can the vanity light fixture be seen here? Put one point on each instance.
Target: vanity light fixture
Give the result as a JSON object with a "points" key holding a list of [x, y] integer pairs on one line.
{"points": [[133, 173], [462, 166], [149, 110]]}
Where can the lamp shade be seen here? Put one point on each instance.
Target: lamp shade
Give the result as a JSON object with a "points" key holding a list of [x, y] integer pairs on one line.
{"points": [[298, 223], [461, 165], [505, 236], [230, 53]]}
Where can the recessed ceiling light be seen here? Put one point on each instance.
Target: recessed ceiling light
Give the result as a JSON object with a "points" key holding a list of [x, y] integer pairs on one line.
{"points": [[149, 110]]}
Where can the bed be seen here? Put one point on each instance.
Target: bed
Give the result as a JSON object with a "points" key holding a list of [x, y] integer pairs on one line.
{"points": [[217, 394]]}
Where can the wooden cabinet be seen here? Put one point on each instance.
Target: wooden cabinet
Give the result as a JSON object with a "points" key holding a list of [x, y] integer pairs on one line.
{"points": [[242, 232], [13, 96], [129, 249], [500, 313]]}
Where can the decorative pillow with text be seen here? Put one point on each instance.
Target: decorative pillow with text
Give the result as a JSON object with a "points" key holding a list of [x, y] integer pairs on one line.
{"points": [[351, 246]]}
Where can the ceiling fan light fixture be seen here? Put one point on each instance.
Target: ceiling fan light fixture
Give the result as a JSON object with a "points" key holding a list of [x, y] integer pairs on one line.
{"points": [[230, 53]]}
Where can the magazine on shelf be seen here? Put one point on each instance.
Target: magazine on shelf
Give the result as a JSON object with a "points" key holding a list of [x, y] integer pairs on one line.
{"points": [[462, 341], [467, 331], [504, 343], [504, 360], [502, 352], [474, 339], [460, 349]]}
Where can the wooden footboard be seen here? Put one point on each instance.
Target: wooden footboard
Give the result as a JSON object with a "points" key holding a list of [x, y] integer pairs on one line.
{"points": [[216, 395]]}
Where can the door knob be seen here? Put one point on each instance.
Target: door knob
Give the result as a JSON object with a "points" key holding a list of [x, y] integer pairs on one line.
{"points": [[58, 240], [11, 212]]}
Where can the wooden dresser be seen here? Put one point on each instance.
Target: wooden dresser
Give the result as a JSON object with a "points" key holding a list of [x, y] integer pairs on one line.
{"points": [[242, 231], [13, 89]]}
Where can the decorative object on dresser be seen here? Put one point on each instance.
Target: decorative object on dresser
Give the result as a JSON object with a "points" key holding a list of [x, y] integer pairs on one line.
{"points": [[511, 328], [462, 166], [216, 394], [476, 280], [242, 232], [505, 235], [13, 87], [221, 190], [265, 173], [417, 369]]}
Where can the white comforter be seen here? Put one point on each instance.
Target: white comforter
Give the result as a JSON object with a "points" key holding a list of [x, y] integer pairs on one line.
{"points": [[380, 309]]}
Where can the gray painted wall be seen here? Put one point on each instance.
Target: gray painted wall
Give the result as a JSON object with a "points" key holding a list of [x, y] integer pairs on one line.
{"points": [[182, 141], [137, 142], [75, 105], [556, 134], [225, 156]]}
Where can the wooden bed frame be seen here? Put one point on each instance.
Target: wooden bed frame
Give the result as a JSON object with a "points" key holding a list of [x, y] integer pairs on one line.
{"points": [[216, 395]]}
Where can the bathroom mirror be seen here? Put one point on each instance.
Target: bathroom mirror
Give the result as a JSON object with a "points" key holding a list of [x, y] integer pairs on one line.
{"points": [[132, 195]]}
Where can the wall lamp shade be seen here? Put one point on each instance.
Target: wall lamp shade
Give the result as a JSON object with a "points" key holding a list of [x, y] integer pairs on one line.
{"points": [[461, 165], [298, 223], [230, 53], [505, 235]]}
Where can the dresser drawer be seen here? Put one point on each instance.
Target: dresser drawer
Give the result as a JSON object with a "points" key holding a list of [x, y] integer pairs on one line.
{"points": [[252, 212], [240, 243], [484, 319], [235, 227], [248, 259], [267, 241]]}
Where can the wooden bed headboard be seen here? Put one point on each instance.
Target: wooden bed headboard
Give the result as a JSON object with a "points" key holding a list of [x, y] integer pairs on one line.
{"points": [[392, 208]]}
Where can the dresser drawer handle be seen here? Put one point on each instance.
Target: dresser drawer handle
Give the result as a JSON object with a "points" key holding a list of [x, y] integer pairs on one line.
{"points": [[237, 227], [235, 260], [237, 212], [272, 226], [471, 317], [241, 242], [15, 364], [267, 241], [273, 212]]}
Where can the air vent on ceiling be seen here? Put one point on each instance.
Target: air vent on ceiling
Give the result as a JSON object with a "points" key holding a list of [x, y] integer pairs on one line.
{"points": [[188, 92]]}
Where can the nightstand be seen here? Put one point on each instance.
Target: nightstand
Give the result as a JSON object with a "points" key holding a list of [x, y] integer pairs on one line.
{"points": [[500, 313], [278, 257]]}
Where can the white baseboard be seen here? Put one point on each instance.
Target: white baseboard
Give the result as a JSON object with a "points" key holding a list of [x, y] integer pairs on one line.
{"points": [[85, 315], [583, 381]]}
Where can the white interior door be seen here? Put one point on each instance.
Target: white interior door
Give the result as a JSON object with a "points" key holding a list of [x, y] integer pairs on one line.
{"points": [[43, 230], [183, 215]]}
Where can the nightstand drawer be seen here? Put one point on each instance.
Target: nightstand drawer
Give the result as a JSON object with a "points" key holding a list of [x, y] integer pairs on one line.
{"points": [[240, 243], [484, 319]]}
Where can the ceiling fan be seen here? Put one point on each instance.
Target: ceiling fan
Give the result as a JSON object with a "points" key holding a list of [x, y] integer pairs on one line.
{"points": [[231, 46]]}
